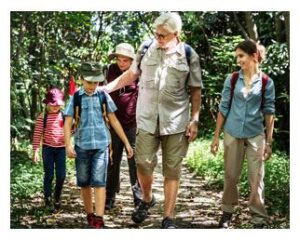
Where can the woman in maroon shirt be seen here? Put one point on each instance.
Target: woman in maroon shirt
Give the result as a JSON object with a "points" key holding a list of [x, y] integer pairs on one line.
{"points": [[125, 99]]}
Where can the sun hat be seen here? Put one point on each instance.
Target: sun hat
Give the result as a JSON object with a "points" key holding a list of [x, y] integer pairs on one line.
{"points": [[54, 97], [92, 72], [123, 49]]}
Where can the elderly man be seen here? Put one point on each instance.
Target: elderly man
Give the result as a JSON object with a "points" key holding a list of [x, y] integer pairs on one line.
{"points": [[170, 78]]}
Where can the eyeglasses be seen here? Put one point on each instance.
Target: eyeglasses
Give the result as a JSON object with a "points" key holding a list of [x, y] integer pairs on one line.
{"points": [[161, 36]]}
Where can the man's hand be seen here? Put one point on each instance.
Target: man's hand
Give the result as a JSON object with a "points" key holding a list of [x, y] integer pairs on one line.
{"points": [[192, 130]]}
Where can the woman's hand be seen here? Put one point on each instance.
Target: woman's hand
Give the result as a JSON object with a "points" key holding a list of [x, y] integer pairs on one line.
{"points": [[129, 151], [267, 151]]}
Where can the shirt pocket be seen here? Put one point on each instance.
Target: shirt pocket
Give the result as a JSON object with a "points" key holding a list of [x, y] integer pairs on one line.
{"points": [[149, 69], [177, 75]]}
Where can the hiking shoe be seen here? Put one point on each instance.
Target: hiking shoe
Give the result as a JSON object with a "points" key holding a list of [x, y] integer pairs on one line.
{"points": [[137, 202], [225, 220], [141, 212], [90, 219], [259, 225], [168, 223], [98, 222], [109, 204]]}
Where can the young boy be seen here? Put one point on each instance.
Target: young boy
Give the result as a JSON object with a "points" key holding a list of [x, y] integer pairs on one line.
{"points": [[49, 129], [92, 140]]}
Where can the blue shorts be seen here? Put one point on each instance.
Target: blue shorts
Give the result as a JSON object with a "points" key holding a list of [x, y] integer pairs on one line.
{"points": [[91, 167]]}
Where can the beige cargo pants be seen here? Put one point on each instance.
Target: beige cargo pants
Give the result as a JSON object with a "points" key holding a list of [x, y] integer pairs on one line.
{"points": [[235, 151]]}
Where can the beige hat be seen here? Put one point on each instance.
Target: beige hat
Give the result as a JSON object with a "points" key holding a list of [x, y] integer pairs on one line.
{"points": [[124, 49]]}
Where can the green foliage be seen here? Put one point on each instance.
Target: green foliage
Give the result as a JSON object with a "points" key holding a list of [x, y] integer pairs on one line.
{"points": [[276, 180], [26, 177]]}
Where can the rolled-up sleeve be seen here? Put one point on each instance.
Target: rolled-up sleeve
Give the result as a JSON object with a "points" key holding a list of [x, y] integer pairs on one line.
{"points": [[195, 79], [269, 98], [224, 106]]}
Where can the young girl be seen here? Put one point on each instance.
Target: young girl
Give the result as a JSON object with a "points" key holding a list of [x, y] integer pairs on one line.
{"points": [[49, 130]]}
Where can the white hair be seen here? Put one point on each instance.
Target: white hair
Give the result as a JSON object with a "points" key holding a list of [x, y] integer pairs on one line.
{"points": [[169, 21]]}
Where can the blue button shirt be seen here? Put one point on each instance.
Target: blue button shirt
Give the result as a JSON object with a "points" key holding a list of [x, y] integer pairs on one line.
{"points": [[92, 132], [245, 117]]}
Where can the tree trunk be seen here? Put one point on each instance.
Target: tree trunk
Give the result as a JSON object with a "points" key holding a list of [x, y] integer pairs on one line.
{"points": [[251, 26], [287, 28], [240, 26]]}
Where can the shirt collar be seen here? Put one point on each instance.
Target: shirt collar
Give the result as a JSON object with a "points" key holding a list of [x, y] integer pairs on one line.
{"points": [[258, 78], [82, 91], [179, 48]]}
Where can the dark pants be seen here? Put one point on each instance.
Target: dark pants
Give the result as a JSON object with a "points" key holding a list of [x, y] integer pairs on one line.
{"points": [[54, 158], [113, 176]]}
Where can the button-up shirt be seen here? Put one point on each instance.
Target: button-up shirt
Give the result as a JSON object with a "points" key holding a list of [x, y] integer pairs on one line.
{"points": [[163, 97], [245, 117], [92, 132]]}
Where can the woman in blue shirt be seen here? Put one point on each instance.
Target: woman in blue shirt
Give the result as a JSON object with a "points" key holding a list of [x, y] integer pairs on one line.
{"points": [[244, 111]]}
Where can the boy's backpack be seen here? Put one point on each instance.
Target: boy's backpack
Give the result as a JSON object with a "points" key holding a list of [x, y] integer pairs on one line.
{"points": [[234, 78], [77, 108], [187, 49], [46, 117]]}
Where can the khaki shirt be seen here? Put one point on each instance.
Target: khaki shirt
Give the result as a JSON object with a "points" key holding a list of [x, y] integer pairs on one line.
{"points": [[163, 96]]}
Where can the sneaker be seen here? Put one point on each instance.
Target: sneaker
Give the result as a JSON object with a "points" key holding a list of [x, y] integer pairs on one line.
{"points": [[141, 212], [109, 204], [98, 222], [90, 219], [225, 220], [168, 223]]}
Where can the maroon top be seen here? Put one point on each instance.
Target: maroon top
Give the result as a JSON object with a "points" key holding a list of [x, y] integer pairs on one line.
{"points": [[125, 99]]}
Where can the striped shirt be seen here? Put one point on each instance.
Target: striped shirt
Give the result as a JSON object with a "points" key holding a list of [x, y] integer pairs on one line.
{"points": [[52, 135]]}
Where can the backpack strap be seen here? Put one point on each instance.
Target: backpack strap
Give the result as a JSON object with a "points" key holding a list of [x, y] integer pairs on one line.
{"points": [[144, 50], [103, 102], [45, 120], [188, 53], [77, 109], [264, 80], [233, 80]]}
